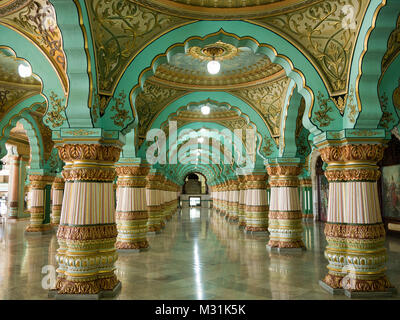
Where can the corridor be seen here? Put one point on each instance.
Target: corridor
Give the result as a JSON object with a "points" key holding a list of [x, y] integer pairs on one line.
{"points": [[199, 255]]}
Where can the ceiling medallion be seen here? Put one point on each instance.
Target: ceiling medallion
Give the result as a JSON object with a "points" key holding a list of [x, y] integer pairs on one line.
{"points": [[216, 51]]}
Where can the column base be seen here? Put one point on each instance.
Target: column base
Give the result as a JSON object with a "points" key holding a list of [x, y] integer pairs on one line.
{"points": [[288, 245], [329, 289], [364, 288], [233, 219], [284, 250], [258, 230], [95, 296], [43, 229], [132, 246]]}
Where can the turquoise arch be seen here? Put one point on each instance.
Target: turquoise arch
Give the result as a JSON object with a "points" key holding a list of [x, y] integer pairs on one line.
{"points": [[20, 111], [68, 20], [34, 137], [387, 14], [38, 61], [157, 52], [217, 96]]}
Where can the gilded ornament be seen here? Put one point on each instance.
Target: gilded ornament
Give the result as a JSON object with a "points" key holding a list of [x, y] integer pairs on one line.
{"points": [[89, 174], [57, 109], [121, 115], [321, 114], [96, 152]]}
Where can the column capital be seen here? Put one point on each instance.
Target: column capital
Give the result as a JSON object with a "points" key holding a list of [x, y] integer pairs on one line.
{"points": [[352, 162]]}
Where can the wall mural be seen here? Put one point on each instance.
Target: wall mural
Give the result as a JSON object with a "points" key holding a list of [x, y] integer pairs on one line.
{"points": [[391, 191]]}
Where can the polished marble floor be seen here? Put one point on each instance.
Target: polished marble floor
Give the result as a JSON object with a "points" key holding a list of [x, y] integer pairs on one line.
{"points": [[198, 255]]}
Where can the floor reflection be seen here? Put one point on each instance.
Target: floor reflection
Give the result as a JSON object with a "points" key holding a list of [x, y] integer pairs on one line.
{"points": [[198, 255]]}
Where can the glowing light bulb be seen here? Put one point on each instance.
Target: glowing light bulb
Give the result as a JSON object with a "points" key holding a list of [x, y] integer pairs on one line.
{"points": [[213, 67], [205, 110], [24, 70], [200, 140]]}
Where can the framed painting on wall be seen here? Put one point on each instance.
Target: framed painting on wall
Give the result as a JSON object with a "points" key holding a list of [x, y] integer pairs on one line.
{"points": [[391, 192]]}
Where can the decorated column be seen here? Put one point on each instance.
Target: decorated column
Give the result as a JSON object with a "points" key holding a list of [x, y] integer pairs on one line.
{"points": [[256, 206], [285, 217], [233, 204], [305, 192], [153, 203], [87, 230], [163, 205], [132, 212], [241, 202], [354, 230], [13, 186], [57, 191], [39, 194]]}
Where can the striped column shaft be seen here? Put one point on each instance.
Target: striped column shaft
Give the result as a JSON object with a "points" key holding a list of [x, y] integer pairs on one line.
{"points": [[153, 203], [13, 187], [306, 198], [241, 203], [38, 201], [354, 230], [57, 199], [256, 206], [285, 217], [163, 205], [87, 232], [234, 201], [132, 212]]}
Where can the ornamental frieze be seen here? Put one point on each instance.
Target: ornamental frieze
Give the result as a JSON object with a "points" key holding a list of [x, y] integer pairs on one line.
{"points": [[353, 152], [89, 174], [95, 152], [374, 231], [281, 171], [353, 175], [85, 233], [134, 171]]}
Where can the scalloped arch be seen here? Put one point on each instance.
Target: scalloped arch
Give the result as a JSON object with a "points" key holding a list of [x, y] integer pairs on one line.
{"points": [[236, 32]]}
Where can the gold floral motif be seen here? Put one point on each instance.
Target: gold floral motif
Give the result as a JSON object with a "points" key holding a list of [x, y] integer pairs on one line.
{"points": [[133, 171], [283, 171], [139, 182], [80, 132], [353, 175], [321, 114], [121, 29], [89, 174], [64, 286], [55, 115], [286, 244], [367, 231], [86, 233], [137, 245], [268, 100], [96, 152], [353, 152], [284, 215], [286, 182], [121, 115], [131, 215], [387, 116], [327, 32]]}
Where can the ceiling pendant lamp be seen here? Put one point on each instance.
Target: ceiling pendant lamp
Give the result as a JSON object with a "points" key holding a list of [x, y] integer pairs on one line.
{"points": [[205, 109], [24, 70], [213, 66]]}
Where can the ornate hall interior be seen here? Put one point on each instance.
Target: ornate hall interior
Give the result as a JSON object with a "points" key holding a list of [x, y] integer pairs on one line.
{"points": [[199, 149]]}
